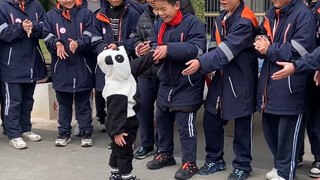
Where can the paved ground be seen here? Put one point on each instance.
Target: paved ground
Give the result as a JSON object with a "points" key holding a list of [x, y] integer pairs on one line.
{"points": [[43, 161]]}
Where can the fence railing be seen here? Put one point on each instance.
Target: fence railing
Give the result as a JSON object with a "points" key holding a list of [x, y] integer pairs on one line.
{"points": [[212, 9]]}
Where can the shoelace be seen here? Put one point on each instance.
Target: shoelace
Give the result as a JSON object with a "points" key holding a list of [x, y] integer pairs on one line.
{"points": [[316, 164], [238, 172], [159, 157], [210, 165], [186, 165]]}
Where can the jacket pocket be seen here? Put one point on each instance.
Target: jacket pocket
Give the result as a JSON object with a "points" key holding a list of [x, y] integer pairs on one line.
{"points": [[85, 62], [9, 57], [56, 65], [289, 85], [232, 88]]}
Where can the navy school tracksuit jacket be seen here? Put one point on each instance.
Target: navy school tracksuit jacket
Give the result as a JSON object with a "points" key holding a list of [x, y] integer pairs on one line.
{"points": [[21, 58], [311, 61], [103, 34], [76, 73], [185, 41], [233, 88], [291, 30]]}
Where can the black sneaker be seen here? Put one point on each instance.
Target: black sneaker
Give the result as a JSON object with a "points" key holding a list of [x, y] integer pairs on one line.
{"points": [[186, 171], [143, 152], [162, 160], [300, 161], [86, 140], [109, 145], [238, 174], [212, 167], [315, 170], [115, 176]]}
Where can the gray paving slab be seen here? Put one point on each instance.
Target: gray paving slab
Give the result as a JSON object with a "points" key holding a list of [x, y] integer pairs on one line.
{"points": [[43, 161]]}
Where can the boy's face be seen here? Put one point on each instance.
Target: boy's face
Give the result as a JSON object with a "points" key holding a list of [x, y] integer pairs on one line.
{"points": [[151, 3], [229, 5], [115, 3], [280, 3], [67, 4], [165, 10]]}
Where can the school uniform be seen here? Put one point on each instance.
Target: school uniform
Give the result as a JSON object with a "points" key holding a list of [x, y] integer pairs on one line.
{"points": [[179, 97], [232, 90], [22, 63], [291, 31], [73, 77]]}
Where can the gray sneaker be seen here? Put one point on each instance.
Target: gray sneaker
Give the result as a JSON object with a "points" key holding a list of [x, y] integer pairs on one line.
{"points": [[63, 140], [86, 140]]}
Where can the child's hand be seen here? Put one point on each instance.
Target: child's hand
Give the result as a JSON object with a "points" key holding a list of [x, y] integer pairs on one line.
{"points": [[194, 66], [61, 52], [145, 48], [73, 45], [160, 52], [262, 44], [112, 46], [27, 27], [119, 139], [316, 78], [137, 49], [287, 70]]}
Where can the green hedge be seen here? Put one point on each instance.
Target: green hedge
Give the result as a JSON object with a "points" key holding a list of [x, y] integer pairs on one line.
{"points": [[198, 6]]}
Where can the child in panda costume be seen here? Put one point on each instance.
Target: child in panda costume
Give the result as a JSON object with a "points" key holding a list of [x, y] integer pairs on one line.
{"points": [[122, 102]]}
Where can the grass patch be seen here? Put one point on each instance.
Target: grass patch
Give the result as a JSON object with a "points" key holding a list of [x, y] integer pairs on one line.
{"points": [[44, 49]]}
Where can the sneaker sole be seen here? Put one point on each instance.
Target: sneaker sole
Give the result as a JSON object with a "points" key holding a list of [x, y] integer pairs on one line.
{"points": [[187, 177], [63, 145], [86, 144], [21, 148], [170, 163], [312, 175], [224, 167]]}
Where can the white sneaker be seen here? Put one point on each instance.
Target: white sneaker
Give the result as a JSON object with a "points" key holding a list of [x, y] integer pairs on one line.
{"points": [[76, 131], [18, 143], [315, 170], [31, 136], [63, 140], [271, 174], [277, 178]]}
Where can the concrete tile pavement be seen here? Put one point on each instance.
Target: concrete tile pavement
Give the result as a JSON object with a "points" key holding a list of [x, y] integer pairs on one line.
{"points": [[43, 161]]}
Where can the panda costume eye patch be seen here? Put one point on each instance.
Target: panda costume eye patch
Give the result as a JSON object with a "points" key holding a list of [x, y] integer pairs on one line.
{"points": [[108, 60], [119, 58]]}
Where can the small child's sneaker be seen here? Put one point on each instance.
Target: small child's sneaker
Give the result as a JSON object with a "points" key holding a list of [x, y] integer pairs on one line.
{"points": [[31, 136], [18, 143], [115, 176], [62, 140], [86, 140]]}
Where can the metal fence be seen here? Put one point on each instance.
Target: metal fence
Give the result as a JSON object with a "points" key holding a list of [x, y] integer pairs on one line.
{"points": [[212, 9]]}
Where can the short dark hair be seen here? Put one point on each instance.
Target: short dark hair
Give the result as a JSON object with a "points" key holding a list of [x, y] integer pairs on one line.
{"points": [[172, 2]]}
